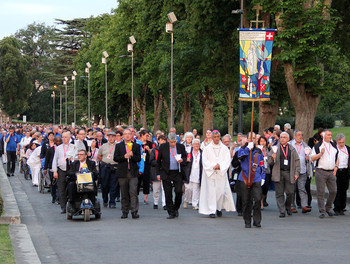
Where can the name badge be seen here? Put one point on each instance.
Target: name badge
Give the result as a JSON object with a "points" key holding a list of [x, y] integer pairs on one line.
{"points": [[285, 162], [144, 156], [109, 156]]}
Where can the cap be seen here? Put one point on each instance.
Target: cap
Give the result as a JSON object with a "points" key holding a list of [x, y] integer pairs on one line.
{"points": [[111, 133]]}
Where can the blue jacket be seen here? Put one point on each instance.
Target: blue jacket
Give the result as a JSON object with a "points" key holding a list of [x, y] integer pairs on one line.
{"points": [[243, 156], [141, 163]]}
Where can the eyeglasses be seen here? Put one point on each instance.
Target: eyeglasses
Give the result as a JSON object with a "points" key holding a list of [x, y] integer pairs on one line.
{"points": [[81, 154]]}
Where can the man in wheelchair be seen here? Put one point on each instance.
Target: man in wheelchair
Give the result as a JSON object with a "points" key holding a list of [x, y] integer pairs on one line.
{"points": [[82, 165]]}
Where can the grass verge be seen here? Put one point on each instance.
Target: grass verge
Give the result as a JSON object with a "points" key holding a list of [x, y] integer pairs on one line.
{"points": [[6, 250]]}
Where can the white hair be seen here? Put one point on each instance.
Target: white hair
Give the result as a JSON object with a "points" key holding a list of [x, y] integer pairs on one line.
{"points": [[188, 134]]}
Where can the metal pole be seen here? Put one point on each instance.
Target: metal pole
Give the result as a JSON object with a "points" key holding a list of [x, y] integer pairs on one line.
{"points": [[66, 114], [240, 103], [89, 115], [132, 88], [106, 94], [172, 82], [75, 110], [53, 101], [60, 107]]}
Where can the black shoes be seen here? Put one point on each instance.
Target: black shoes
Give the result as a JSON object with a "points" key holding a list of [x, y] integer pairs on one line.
{"points": [[8, 174], [218, 213], [248, 226], [257, 225], [155, 206], [171, 217], [282, 215], [105, 204], [212, 216], [322, 216], [164, 207], [176, 213], [330, 214], [289, 212], [135, 215], [63, 211], [118, 200], [124, 215]]}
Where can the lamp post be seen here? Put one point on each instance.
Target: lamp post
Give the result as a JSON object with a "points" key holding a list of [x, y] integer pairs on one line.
{"points": [[131, 50], [66, 112], [75, 109], [53, 106], [87, 70], [240, 103], [169, 29], [104, 61]]}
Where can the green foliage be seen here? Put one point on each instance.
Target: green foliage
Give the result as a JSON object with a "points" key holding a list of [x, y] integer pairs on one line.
{"points": [[345, 117], [14, 86], [325, 121]]}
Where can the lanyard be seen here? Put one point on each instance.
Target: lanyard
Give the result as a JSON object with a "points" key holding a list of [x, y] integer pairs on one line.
{"points": [[110, 149], [345, 152], [264, 152], [194, 154], [328, 150], [298, 150], [65, 150], [173, 155], [285, 153]]}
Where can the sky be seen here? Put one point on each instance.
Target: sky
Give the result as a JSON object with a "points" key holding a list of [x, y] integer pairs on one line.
{"points": [[17, 14]]}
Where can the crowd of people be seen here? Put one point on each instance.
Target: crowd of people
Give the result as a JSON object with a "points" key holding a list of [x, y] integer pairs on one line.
{"points": [[202, 174]]}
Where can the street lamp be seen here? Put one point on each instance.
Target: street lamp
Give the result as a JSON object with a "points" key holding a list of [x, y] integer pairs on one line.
{"points": [[87, 70], [240, 103], [66, 113], [75, 110], [104, 61], [53, 104], [131, 50], [169, 29]]}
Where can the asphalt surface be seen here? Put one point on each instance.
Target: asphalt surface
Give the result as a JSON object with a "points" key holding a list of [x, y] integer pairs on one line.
{"points": [[191, 238]]}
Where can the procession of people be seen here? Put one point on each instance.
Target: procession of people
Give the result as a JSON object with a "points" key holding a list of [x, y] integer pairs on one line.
{"points": [[182, 170]]}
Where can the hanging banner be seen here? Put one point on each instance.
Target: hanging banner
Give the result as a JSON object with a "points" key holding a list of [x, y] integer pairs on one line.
{"points": [[255, 47]]}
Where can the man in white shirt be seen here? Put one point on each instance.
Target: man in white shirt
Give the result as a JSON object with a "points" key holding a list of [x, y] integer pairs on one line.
{"points": [[64, 154], [342, 175], [325, 153]]}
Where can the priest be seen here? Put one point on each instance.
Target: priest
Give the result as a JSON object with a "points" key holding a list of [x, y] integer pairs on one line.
{"points": [[215, 193]]}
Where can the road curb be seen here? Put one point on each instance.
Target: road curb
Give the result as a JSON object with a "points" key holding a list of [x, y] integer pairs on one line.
{"points": [[22, 243], [12, 214]]}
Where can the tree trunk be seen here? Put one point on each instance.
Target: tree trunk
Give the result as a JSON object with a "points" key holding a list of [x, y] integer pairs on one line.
{"points": [[207, 104], [187, 113], [158, 104], [267, 115], [168, 113], [230, 103], [97, 119], [143, 107], [305, 103]]}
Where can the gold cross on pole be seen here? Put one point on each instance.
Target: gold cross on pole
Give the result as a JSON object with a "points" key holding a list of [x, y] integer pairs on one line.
{"points": [[258, 8]]}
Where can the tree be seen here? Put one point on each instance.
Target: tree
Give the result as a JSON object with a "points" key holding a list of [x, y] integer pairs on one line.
{"points": [[14, 81], [305, 39]]}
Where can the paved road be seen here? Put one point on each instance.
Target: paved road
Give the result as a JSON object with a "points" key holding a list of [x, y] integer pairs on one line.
{"points": [[191, 238]]}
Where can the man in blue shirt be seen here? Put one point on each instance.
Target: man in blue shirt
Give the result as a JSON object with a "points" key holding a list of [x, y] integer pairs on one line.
{"points": [[12, 149], [251, 178]]}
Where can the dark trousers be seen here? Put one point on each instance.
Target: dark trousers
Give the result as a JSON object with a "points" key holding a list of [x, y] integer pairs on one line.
{"points": [[265, 187], [53, 187], [109, 185], [74, 196], [342, 187], [11, 161], [128, 188], [144, 179], [174, 177], [62, 187], [239, 204], [251, 198], [284, 186]]}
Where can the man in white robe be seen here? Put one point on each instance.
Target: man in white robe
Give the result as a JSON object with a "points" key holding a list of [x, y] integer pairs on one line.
{"points": [[34, 163], [215, 193]]}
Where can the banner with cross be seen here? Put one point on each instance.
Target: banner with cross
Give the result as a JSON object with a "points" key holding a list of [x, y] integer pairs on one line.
{"points": [[255, 63]]}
